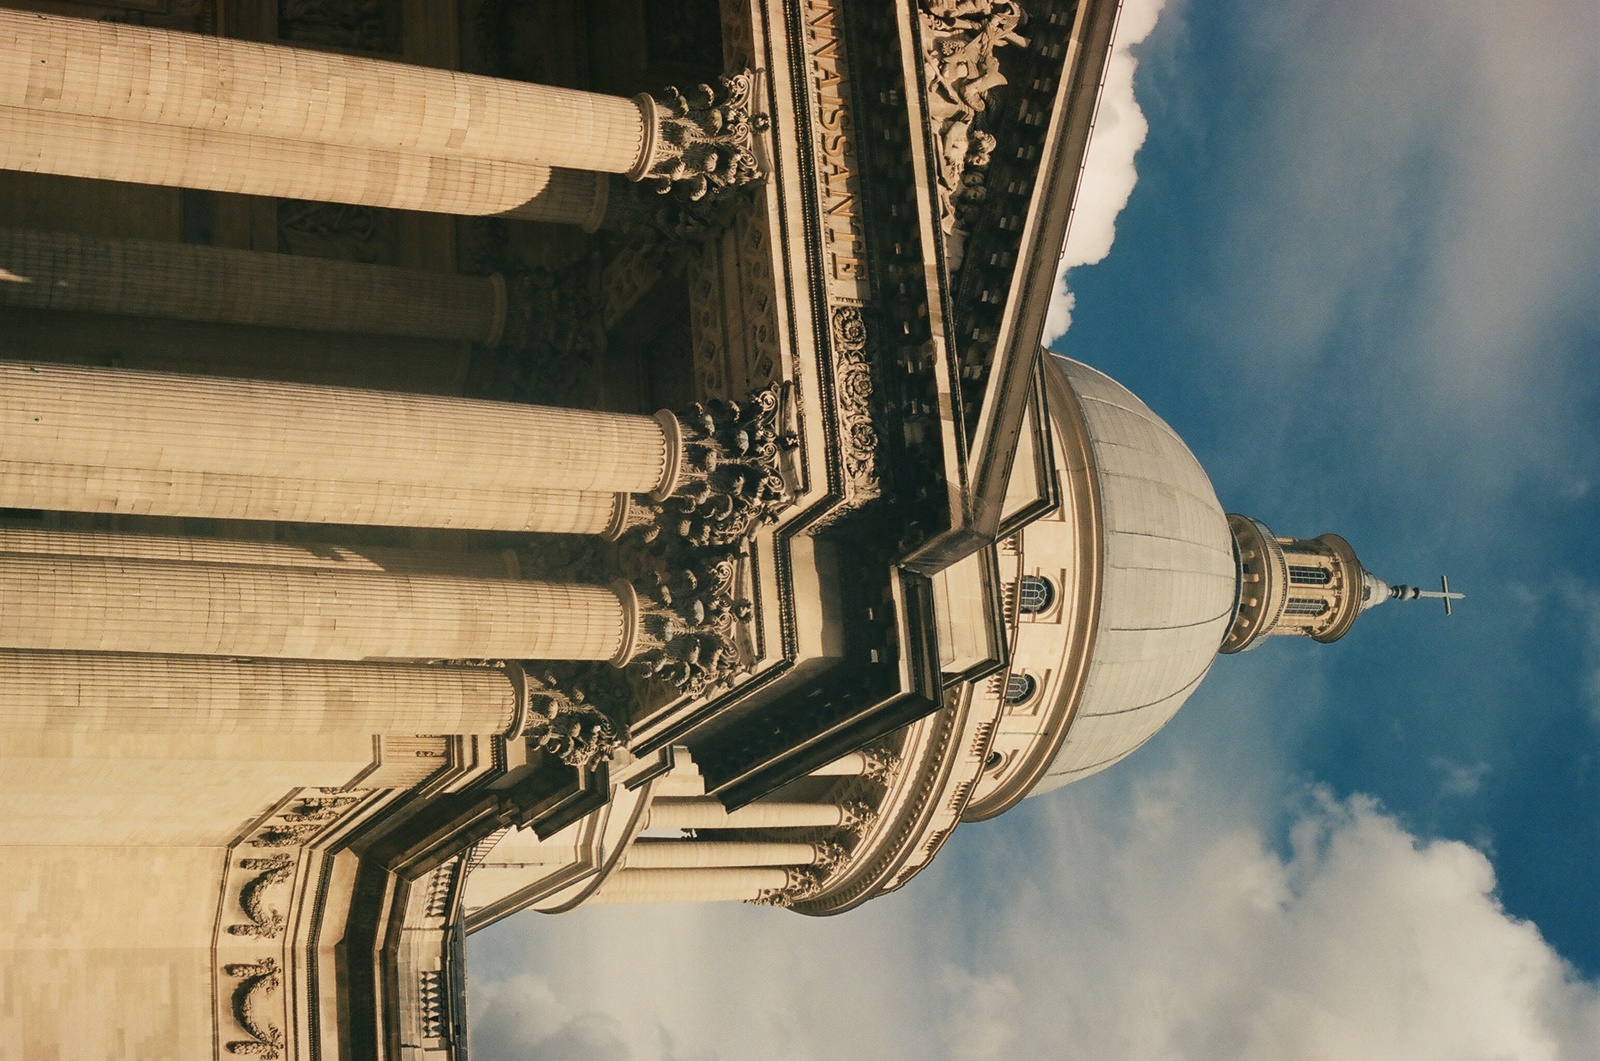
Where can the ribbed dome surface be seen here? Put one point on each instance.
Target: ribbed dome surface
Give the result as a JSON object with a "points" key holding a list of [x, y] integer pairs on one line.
{"points": [[1168, 576]]}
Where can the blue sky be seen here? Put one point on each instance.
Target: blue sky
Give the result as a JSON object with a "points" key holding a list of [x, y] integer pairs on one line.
{"points": [[1359, 272]]}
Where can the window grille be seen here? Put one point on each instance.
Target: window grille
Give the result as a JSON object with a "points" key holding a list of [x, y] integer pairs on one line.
{"points": [[1305, 606], [1020, 689], [1306, 575], [1037, 594]]}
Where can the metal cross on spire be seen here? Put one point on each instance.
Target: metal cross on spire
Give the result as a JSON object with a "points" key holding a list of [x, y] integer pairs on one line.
{"points": [[1404, 592]]}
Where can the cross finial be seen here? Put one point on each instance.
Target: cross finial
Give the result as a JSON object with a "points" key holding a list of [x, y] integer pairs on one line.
{"points": [[1404, 592]]}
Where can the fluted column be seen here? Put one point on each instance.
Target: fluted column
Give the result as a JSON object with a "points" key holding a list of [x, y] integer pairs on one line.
{"points": [[465, 562], [112, 440], [120, 102], [100, 604], [199, 83], [673, 813], [77, 145], [692, 885], [145, 278], [85, 691], [851, 764]]}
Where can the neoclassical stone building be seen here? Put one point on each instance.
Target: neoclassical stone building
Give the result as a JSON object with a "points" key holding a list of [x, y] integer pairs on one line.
{"points": [[445, 472]]}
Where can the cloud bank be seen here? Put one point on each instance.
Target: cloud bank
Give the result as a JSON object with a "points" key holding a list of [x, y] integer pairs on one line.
{"points": [[1408, 208], [1108, 170], [1153, 927]]}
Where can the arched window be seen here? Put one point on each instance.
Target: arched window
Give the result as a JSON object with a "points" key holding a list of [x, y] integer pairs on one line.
{"points": [[1020, 689], [1307, 575], [1306, 606], [1035, 594]]}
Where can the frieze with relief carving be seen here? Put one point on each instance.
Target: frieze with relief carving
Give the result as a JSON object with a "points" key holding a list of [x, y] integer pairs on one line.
{"points": [[260, 886], [962, 40], [858, 429]]}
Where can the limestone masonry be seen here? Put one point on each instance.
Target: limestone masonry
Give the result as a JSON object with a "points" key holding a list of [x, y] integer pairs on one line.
{"points": [[446, 470]]}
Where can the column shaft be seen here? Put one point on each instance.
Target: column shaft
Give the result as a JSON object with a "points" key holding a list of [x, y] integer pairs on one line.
{"points": [[851, 764], [107, 149], [130, 605], [200, 434], [650, 853], [472, 564], [213, 84], [195, 694], [216, 495], [709, 814], [144, 278], [690, 885]]}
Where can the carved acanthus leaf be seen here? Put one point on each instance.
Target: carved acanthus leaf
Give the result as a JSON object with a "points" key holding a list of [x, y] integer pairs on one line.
{"points": [[694, 614], [577, 733], [881, 763], [706, 141], [733, 480], [804, 883]]}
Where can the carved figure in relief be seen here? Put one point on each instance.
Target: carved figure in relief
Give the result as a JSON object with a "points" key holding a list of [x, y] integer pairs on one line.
{"points": [[962, 66]]}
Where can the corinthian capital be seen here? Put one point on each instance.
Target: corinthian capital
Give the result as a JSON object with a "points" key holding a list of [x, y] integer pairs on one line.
{"points": [[733, 477], [703, 141]]}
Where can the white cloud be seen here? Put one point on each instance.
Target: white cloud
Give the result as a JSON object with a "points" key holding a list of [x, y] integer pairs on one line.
{"points": [[1411, 218], [1195, 940], [1108, 172], [1153, 927]]}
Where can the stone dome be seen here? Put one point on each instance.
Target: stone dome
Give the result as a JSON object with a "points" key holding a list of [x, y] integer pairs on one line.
{"points": [[1165, 560]]}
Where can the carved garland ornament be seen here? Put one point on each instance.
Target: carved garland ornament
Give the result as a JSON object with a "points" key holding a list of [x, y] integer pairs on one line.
{"points": [[256, 979], [265, 922], [962, 66], [706, 141]]}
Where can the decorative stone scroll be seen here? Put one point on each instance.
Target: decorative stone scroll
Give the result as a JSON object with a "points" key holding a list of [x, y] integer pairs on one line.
{"points": [[852, 384], [962, 66], [706, 141]]}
